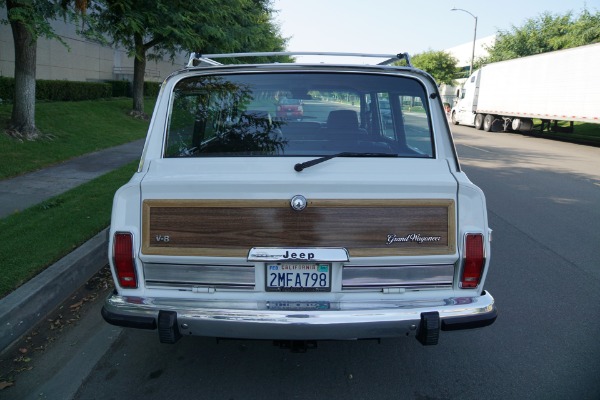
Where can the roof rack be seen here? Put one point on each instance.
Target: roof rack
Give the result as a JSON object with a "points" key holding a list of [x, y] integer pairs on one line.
{"points": [[199, 59]]}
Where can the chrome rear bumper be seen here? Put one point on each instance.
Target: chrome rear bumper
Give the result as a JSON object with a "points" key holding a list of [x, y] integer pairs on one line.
{"points": [[299, 321]]}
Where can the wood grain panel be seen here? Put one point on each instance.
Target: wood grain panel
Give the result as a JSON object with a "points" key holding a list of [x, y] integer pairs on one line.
{"points": [[232, 227]]}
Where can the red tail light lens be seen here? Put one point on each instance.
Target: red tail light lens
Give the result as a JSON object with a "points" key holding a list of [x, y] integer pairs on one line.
{"points": [[474, 261], [123, 260]]}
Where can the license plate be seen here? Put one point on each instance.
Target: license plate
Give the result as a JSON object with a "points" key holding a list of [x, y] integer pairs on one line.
{"points": [[298, 277]]}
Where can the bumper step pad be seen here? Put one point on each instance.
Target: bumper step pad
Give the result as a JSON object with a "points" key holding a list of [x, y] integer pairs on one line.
{"points": [[168, 331], [429, 328]]}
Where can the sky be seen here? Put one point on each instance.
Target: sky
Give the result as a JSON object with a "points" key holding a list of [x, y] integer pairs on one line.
{"points": [[398, 26]]}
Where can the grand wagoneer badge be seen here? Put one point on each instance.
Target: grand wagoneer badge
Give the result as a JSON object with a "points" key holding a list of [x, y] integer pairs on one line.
{"points": [[413, 237]]}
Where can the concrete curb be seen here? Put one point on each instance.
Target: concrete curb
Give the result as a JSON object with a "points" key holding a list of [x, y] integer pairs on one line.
{"points": [[22, 309]]}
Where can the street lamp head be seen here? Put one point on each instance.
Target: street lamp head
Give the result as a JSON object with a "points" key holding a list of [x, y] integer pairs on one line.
{"points": [[460, 9]]}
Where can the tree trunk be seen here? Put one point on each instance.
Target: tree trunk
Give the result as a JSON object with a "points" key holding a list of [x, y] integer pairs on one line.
{"points": [[22, 123], [139, 69]]}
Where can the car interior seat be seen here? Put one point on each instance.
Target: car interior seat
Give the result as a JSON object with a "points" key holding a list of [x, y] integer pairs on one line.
{"points": [[343, 120]]}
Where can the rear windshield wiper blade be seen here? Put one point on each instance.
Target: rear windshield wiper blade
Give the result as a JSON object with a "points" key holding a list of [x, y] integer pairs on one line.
{"points": [[301, 166]]}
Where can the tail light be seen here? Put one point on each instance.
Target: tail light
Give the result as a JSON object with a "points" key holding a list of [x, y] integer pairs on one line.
{"points": [[473, 262], [123, 260]]}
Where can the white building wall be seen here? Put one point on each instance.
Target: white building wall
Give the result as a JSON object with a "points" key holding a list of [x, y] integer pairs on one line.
{"points": [[463, 52], [83, 60]]}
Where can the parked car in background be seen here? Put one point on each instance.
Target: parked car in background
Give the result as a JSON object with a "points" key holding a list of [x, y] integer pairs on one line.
{"points": [[290, 109], [386, 112]]}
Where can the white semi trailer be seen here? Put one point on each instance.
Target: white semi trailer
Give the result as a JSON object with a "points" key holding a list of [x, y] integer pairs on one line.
{"points": [[556, 86]]}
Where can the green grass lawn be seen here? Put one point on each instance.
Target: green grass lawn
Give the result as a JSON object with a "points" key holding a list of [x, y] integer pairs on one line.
{"points": [[583, 133], [35, 238], [70, 129]]}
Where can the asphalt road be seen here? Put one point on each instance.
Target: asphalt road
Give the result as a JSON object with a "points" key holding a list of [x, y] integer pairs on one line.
{"points": [[543, 199]]}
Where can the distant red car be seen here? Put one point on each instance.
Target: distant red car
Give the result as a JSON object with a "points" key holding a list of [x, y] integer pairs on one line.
{"points": [[290, 109]]}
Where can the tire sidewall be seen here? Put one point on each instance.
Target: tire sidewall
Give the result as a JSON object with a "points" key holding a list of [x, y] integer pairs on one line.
{"points": [[488, 121], [453, 118], [479, 121]]}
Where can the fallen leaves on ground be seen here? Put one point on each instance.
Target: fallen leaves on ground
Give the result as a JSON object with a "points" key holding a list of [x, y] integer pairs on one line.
{"points": [[76, 305], [5, 384], [22, 356]]}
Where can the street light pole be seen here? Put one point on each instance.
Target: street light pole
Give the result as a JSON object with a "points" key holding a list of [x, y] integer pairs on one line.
{"points": [[474, 37]]}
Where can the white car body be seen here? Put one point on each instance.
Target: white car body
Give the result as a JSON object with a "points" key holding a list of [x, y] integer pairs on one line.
{"points": [[209, 233]]}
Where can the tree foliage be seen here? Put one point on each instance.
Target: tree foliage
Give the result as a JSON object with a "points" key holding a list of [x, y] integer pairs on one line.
{"points": [[36, 15], [439, 64], [544, 33], [153, 29]]}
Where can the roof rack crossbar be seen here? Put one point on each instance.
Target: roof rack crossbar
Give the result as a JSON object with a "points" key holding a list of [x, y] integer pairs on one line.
{"points": [[197, 59]]}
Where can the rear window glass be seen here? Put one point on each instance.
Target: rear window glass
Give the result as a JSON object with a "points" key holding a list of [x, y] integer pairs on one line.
{"points": [[298, 114], [285, 100]]}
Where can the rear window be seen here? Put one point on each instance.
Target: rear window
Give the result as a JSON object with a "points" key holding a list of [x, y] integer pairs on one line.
{"points": [[287, 101], [298, 114]]}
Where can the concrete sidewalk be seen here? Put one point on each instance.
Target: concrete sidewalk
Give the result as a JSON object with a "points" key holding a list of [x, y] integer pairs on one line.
{"points": [[22, 309], [17, 194]]}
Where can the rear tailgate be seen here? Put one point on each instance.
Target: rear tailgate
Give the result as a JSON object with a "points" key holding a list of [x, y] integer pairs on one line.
{"points": [[217, 207]]}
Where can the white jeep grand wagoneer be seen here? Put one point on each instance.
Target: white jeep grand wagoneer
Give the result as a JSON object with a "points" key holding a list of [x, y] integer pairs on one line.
{"points": [[351, 221]]}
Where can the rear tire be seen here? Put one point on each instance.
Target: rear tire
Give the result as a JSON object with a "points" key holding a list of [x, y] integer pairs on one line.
{"points": [[453, 118], [488, 121], [479, 122]]}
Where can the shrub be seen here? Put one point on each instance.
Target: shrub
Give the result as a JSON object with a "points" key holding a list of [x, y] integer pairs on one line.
{"points": [[120, 88], [125, 89], [75, 91], [7, 89], [151, 89], [71, 90], [58, 90]]}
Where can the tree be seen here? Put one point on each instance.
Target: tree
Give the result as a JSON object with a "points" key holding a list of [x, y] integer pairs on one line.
{"points": [[150, 29], [29, 19], [547, 32], [439, 64], [253, 30]]}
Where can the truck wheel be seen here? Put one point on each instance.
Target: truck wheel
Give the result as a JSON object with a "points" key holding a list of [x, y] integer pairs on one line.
{"points": [[454, 120], [479, 121], [487, 122]]}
